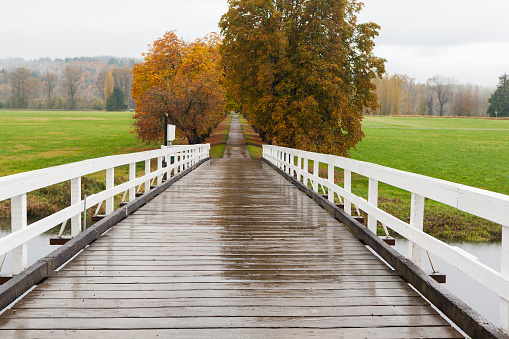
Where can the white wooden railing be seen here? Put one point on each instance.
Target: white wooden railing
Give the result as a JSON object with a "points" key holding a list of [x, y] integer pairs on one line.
{"points": [[488, 205], [16, 187]]}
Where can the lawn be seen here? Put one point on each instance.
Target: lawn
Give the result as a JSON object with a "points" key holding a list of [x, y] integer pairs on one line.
{"points": [[473, 152], [31, 140]]}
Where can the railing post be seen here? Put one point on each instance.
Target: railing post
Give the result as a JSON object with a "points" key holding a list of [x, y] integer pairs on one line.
{"points": [[373, 200], [504, 304], [290, 163], [159, 166], [348, 187], [147, 172], [299, 165], [110, 183], [168, 166], [330, 177], [315, 173], [416, 221], [305, 165], [18, 222], [75, 199], [132, 176]]}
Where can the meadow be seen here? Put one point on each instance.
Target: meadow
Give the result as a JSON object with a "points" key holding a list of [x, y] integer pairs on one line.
{"points": [[473, 152], [32, 140]]}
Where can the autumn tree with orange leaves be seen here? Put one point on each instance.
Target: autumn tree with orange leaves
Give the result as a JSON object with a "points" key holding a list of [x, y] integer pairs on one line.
{"points": [[181, 81], [301, 70]]}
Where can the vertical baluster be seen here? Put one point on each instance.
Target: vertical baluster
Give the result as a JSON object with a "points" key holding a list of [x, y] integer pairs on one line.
{"points": [[316, 174], [504, 304], [18, 222], [110, 183], [159, 166], [132, 176], [292, 164], [168, 166], [147, 172], [288, 161], [348, 187], [299, 165], [330, 177], [416, 221], [373, 200], [75, 199], [306, 171]]}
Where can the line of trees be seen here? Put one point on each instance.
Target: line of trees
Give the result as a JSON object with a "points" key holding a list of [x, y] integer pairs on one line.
{"points": [[78, 83], [179, 83], [439, 96]]}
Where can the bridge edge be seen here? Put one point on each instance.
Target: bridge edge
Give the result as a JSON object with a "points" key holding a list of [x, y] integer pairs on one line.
{"points": [[46, 266], [466, 318]]}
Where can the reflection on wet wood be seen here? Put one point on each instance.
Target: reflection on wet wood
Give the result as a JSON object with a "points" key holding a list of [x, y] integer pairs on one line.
{"points": [[232, 250]]}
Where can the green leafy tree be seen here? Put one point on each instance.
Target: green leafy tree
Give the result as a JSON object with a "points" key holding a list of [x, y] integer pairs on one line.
{"points": [[499, 101], [301, 70], [116, 101]]}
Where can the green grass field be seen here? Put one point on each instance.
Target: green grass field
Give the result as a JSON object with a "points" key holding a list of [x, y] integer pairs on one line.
{"points": [[31, 140], [473, 152]]}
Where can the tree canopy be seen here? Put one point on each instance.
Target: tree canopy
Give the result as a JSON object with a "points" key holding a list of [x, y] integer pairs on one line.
{"points": [[499, 101], [181, 81], [301, 70]]}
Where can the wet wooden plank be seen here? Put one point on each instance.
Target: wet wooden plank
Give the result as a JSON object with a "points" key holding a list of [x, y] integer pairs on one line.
{"points": [[223, 322], [238, 311], [226, 293], [231, 250], [253, 333], [282, 279], [105, 304], [267, 274], [59, 285]]}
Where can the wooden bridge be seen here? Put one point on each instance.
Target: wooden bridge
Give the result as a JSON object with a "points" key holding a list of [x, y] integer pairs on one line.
{"points": [[233, 249]]}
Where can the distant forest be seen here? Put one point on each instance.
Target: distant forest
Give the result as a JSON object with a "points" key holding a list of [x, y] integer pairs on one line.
{"points": [[439, 96], [81, 83], [70, 83]]}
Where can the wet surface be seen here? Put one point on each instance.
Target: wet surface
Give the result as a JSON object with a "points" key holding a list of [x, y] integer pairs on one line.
{"points": [[231, 250], [236, 144]]}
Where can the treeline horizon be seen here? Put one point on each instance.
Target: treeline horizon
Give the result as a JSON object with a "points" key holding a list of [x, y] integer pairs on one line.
{"points": [[71, 83], [400, 94]]}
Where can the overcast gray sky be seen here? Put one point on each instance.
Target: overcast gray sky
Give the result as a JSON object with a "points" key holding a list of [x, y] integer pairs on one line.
{"points": [[464, 39]]}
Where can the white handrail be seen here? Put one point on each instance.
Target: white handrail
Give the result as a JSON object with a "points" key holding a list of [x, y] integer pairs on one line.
{"points": [[16, 187], [488, 205]]}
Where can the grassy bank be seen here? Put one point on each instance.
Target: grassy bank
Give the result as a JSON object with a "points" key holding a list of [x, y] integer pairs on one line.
{"points": [[32, 140], [473, 152]]}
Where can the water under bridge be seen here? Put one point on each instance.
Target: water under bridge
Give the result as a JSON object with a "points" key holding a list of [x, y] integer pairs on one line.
{"points": [[226, 248]]}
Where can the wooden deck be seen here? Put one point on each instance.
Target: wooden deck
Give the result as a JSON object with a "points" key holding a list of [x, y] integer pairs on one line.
{"points": [[232, 250]]}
